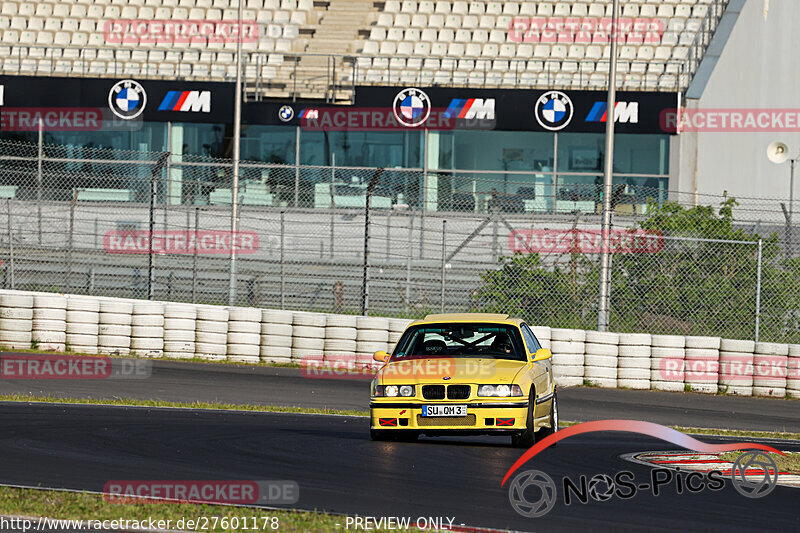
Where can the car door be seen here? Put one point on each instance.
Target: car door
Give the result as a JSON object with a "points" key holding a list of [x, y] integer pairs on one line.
{"points": [[542, 372]]}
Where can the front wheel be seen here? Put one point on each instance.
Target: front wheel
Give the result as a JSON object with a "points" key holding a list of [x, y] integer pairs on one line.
{"points": [[546, 432], [526, 437]]}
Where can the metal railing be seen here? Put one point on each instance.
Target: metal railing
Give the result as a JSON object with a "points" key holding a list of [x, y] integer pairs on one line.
{"points": [[80, 221]]}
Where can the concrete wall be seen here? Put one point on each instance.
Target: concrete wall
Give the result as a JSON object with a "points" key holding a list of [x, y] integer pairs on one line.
{"points": [[758, 68]]}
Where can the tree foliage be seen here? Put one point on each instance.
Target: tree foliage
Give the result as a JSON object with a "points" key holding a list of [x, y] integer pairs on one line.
{"points": [[703, 281]]}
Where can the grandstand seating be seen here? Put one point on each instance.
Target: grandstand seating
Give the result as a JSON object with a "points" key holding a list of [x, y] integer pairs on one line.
{"points": [[70, 37], [470, 42], [390, 42]]}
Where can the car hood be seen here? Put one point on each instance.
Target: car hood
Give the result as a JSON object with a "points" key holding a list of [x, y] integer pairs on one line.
{"points": [[458, 370]]}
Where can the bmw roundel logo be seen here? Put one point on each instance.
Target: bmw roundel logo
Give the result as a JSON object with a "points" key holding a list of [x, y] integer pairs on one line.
{"points": [[411, 107], [286, 113], [554, 110], [127, 99]]}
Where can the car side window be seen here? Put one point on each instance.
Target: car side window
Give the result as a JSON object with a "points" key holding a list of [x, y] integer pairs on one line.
{"points": [[530, 339]]}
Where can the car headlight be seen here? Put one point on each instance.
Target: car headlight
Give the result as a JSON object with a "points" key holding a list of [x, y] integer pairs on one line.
{"points": [[392, 391], [502, 391], [407, 390]]}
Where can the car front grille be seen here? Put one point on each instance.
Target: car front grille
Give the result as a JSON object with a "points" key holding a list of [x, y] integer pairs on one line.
{"points": [[433, 392], [452, 421], [457, 392]]}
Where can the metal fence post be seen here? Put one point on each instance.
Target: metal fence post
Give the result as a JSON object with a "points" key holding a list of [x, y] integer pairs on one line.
{"points": [[758, 289], [283, 264], [39, 156], [333, 201], [71, 239], [495, 234], [194, 258], [373, 182], [388, 235], [444, 259], [151, 271], [297, 167], [10, 245], [408, 259], [421, 233]]}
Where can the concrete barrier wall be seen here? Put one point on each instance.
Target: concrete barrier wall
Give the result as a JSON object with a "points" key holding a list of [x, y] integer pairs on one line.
{"points": [[118, 326]]}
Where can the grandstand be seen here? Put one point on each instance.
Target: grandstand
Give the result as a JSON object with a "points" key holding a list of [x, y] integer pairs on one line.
{"points": [[318, 49], [305, 54]]}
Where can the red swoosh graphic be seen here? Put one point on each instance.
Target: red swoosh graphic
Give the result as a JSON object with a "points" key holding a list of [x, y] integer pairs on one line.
{"points": [[634, 426]]}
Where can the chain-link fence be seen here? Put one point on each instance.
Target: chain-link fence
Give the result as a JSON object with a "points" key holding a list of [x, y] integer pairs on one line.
{"points": [[135, 224]]}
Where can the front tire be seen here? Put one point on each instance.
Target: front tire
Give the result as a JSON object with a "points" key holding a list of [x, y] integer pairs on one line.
{"points": [[526, 437], [546, 432]]}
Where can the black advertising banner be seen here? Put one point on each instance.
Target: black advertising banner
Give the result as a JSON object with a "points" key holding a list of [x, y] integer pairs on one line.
{"points": [[442, 108], [279, 112], [66, 102], [26, 99], [529, 109]]}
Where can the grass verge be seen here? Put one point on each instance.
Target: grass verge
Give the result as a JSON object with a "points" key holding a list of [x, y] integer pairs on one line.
{"points": [[134, 355], [739, 433], [65, 505], [349, 412], [786, 463], [187, 405]]}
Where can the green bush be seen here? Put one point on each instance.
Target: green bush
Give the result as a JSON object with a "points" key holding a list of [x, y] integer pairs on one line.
{"points": [[694, 285]]}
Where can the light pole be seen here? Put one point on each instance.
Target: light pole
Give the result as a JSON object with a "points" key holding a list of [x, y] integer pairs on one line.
{"points": [[605, 258], [778, 153], [789, 239], [237, 133]]}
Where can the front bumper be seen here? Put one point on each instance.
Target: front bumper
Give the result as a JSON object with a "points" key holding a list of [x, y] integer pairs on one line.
{"points": [[482, 417]]}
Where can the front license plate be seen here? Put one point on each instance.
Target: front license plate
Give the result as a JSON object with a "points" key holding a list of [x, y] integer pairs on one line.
{"points": [[444, 410]]}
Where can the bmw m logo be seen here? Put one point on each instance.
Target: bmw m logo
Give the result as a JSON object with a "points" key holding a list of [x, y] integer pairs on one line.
{"points": [[286, 113], [411, 107], [554, 110], [127, 99]]}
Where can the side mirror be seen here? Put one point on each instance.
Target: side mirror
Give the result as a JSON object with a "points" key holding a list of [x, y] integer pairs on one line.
{"points": [[542, 354], [381, 356]]}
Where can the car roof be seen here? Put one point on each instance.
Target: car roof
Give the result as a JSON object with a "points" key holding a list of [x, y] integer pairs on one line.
{"points": [[468, 317]]}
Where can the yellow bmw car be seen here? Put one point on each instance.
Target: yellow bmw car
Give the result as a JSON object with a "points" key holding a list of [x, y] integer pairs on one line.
{"points": [[465, 374]]}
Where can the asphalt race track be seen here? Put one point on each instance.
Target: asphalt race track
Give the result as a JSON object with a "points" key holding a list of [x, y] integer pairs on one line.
{"points": [[190, 382], [339, 469]]}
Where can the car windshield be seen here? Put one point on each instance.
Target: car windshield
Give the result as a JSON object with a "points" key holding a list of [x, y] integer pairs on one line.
{"points": [[497, 341]]}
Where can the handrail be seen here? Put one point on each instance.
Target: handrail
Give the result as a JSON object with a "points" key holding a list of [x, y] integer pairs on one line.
{"points": [[702, 39], [116, 57]]}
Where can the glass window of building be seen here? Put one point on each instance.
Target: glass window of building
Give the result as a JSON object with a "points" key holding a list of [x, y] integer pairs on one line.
{"points": [[368, 149], [515, 170]]}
